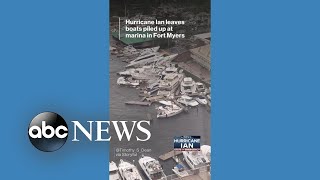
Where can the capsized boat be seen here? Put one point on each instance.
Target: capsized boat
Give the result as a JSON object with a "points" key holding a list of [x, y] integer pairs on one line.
{"points": [[113, 171], [152, 168], [128, 171]]}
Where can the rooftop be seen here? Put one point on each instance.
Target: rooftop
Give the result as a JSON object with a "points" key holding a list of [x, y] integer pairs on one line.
{"points": [[203, 51]]}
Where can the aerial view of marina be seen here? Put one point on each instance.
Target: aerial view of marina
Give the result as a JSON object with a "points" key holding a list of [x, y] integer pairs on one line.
{"points": [[166, 82]]}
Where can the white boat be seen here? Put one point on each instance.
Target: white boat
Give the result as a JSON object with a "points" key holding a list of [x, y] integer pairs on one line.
{"points": [[128, 171], [127, 72], [202, 100], [187, 100], [152, 168], [153, 86], [168, 110], [145, 59], [209, 96], [167, 103], [146, 51], [188, 86], [113, 171], [206, 151], [130, 50], [145, 73], [195, 159], [127, 82], [170, 81], [180, 171], [164, 93], [209, 100], [170, 70], [201, 89], [151, 58]]}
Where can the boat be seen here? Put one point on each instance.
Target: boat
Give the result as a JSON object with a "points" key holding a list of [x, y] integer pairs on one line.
{"points": [[128, 171], [187, 100], [206, 151], [146, 51], [195, 159], [209, 96], [170, 81], [113, 171], [169, 84], [128, 82], [180, 171], [149, 59], [202, 100], [152, 86], [145, 59], [188, 86], [130, 50], [164, 93], [168, 110], [145, 73], [127, 72], [170, 70], [200, 88], [152, 168]]}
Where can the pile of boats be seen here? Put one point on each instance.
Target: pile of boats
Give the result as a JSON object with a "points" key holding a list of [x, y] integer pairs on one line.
{"points": [[153, 169], [128, 171], [160, 80]]}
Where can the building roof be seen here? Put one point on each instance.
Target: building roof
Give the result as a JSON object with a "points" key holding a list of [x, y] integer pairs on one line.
{"points": [[203, 51]]}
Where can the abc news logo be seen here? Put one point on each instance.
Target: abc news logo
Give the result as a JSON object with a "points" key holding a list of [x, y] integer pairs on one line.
{"points": [[48, 131]]}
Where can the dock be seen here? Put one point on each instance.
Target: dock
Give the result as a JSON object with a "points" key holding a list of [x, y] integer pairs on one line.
{"points": [[138, 103], [169, 155]]}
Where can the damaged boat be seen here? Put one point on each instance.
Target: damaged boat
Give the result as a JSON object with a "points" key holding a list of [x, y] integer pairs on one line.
{"points": [[188, 86], [188, 101], [202, 100], [149, 59], [168, 109], [127, 81]]}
